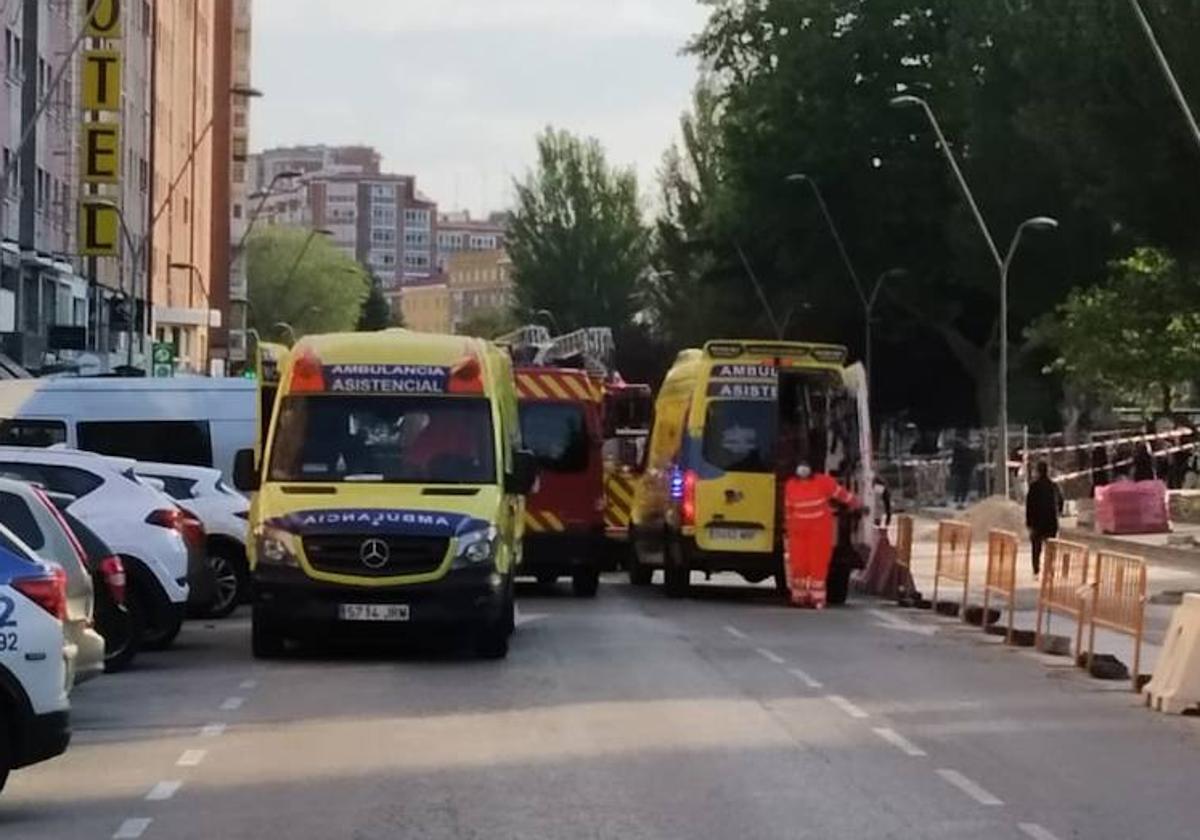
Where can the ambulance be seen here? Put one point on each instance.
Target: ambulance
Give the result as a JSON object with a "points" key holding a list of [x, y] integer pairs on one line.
{"points": [[731, 422], [390, 493]]}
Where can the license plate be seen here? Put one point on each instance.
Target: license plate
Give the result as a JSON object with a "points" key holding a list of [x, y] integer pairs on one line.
{"points": [[733, 534], [373, 612]]}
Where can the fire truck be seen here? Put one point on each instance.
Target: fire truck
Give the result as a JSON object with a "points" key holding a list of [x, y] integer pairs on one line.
{"points": [[628, 413]]}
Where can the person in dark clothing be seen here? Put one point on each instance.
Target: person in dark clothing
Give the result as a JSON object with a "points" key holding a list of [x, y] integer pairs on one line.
{"points": [[1143, 462], [962, 467], [1043, 504]]}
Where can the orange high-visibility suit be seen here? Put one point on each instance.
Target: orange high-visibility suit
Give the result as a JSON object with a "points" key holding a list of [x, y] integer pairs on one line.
{"points": [[810, 524]]}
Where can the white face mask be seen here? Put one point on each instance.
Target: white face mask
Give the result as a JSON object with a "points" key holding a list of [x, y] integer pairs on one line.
{"points": [[804, 471]]}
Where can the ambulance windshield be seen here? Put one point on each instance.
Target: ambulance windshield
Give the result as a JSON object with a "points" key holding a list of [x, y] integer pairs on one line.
{"points": [[407, 440], [739, 436]]}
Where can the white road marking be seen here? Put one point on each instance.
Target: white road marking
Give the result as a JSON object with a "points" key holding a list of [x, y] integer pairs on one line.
{"points": [[846, 706], [248, 684], [163, 791], [212, 730], [191, 758], [899, 742], [1037, 832], [770, 656], [736, 633], [805, 678], [891, 621], [523, 618], [132, 828], [232, 704], [983, 797]]}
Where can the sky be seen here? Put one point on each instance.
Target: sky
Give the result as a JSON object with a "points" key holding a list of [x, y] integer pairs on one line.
{"points": [[455, 91]]}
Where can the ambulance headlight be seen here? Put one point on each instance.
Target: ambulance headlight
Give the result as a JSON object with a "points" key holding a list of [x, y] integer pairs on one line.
{"points": [[276, 548], [476, 548]]}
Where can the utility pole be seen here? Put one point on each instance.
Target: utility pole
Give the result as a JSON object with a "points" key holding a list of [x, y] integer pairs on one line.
{"points": [[1165, 64]]}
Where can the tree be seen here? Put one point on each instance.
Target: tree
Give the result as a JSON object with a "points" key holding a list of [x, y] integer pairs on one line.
{"points": [[1135, 337], [489, 323], [324, 293], [576, 239], [376, 312]]}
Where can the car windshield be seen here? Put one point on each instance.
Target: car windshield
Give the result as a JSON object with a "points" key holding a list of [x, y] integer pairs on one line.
{"points": [[400, 440], [557, 434], [740, 436]]}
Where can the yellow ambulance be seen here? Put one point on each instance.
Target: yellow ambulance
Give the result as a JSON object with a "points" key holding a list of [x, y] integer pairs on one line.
{"points": [[390, 492], [731, 422]]}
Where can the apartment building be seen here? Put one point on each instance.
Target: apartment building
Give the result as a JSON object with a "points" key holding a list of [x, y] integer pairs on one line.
{"points": [[424, 307], [478, 282], [458, 232]]}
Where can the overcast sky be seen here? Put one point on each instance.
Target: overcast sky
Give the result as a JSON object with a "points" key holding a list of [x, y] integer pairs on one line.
{"points": [[454, 91]]}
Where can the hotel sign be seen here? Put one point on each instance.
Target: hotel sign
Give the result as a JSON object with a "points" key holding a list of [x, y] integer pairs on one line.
{"points": [[100, 136]]}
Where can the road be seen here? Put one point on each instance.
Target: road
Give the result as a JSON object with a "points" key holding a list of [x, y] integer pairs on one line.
{"points": [[628, 717]]}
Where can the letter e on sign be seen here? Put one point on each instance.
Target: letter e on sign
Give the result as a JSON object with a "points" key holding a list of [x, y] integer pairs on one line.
{"points": [[99, 229], [103, 18], [101, 80], [101, 152]]}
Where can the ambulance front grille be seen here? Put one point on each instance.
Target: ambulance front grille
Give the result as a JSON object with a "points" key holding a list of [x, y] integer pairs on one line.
{"points": [[375, 556]]}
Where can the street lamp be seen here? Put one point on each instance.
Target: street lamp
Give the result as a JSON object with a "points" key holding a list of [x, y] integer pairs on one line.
{"points": [[1002, 265], [134, 257], [1172, 81], [195, 272], [284, 326], [801, 178], [549, 316], [869, 307], [312, 234]]}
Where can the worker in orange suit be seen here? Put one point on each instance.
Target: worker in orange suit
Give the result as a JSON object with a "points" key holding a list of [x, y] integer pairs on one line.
{"points": [[809, 521]]}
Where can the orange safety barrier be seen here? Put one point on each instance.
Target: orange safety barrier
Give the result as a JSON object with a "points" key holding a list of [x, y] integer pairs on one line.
{"points": [[1118, 602], [1064, 586], [953, 558], [1001, 578], [904, 540]]}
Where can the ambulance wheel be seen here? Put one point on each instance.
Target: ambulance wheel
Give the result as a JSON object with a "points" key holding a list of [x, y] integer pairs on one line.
{"points": [[837, 585], [492, 641], [781, 584], [677, 580], [585, 583], [265, 641], [547, 579], [639, 573]]}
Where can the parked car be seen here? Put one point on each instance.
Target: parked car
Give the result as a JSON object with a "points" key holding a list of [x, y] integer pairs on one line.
{"points": [[121, 627], [144, 528], [185, 420], [34, 658], [223, 512], [32, 518]]}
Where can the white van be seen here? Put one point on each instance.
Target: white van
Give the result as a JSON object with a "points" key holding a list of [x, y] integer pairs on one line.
{"points": [[186, 420]]}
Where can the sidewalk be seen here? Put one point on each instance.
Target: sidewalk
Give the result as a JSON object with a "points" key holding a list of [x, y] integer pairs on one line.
{"points": [[1166, 580]]}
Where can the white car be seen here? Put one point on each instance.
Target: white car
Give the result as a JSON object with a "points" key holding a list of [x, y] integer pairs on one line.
{"points": [[31, 518], [223, 512], [143, 527], [34, 661]]}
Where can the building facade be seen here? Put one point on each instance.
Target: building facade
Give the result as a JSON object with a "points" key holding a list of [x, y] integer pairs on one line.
{"points": [[479, 283], [458, 232], [424, 308]]}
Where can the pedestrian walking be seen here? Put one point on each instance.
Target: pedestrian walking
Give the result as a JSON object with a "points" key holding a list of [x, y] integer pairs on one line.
{"points": [[1043, 504], [962, 467], [810, 532], [1143, 462]]}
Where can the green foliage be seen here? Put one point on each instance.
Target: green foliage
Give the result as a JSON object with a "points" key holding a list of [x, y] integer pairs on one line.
{"points": [[577, 241], [1136, 336], [489, 323], [325, 290], [376, 312]]}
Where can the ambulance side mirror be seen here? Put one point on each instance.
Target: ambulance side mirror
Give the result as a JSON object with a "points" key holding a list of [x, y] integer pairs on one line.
{"points": [[521, 480], [246, 475]]}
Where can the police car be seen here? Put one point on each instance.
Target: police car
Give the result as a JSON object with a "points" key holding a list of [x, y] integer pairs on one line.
{"points": [[34, 723]]}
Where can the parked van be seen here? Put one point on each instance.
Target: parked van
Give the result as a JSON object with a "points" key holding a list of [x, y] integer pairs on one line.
{"points": [[184, 420], [390, 494], [731, 423]]}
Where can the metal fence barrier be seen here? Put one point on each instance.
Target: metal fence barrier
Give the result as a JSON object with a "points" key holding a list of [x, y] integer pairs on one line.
{"points": [[904, 540], [1118, 602], [1065, 586], [953, 559], [1001, 579]]}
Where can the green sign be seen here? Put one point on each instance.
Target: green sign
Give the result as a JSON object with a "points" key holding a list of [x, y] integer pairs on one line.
{"points": [[163, 357]]}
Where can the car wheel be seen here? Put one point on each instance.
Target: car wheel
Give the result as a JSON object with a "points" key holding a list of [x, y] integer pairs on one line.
{"points": [[265, 641], [161, 634], [547, 579], [585, 583], [122, 628], [231, 580], [837, 585]]}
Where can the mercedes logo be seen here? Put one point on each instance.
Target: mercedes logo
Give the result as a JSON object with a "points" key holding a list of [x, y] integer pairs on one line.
{"points": [[374, 554]]}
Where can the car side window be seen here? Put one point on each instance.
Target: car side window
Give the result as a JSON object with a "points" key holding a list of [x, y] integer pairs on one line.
{"points": [[39, 434], [70, 481], [177, 488], [18, 518], [186, 442]]}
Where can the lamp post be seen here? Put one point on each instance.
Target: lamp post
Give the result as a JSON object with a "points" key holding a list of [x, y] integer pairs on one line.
{"points": [[312, 234], [549, 317], [284, 326], [196, 272], [133, 258], [1172, 81], [869, 312], [801, 178], [1003, 265]]}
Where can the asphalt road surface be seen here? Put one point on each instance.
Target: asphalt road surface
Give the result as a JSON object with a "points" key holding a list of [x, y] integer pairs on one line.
{"points": [[725, 716]]}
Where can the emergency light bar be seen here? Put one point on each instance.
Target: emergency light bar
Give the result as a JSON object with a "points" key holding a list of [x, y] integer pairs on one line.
{"points": [[823, 353]]}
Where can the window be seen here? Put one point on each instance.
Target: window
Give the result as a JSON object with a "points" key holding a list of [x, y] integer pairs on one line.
{"points": [[419, 219], [38, 434], [440, 440], [176, 487], [237, 210], [17, 516], [69, 481], [739, 436], [385, 193], [416, 239], [383, 216], [557, 434], [169, 442], [383, 236], [417, 260]]}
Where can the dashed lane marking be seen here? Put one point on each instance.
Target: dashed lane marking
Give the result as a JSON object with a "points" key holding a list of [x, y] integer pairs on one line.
{"points": [[846, 706], [770, 656], [891, 621], [191, 758], [1037, 832], [132, 828], [163, 791], [248, 684], [899, 742], [212, 730], [805, 678], [736, 633], [979, 794], [232, 704]]}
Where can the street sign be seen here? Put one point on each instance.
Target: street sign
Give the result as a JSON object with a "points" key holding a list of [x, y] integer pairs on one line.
{"points": [[163, 359], [105, 20], [99, 229], [101, 152], [102, 80]]}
